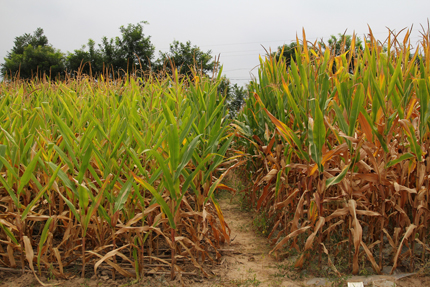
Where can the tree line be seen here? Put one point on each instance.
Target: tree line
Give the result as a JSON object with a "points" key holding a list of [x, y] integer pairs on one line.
{"points": [[131, 52]]}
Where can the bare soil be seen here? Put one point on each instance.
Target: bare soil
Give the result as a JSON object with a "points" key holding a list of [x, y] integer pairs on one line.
{"points": [[245, 262]]}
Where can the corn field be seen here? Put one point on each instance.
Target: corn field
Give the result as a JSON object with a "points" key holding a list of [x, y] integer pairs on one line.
{"points": [[112, 174], [120, 174], [339, 152]]}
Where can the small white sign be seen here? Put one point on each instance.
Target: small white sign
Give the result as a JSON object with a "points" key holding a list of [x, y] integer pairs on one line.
{"points": [[355, 284]]}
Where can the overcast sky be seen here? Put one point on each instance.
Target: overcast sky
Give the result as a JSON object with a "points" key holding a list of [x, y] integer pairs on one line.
{"points": [[234, 29]]}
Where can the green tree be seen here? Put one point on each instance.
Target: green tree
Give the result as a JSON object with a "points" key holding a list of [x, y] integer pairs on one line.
{"points": [[32, 56], [130, 52], [88, 62], [237, 99], [185, 58], [235, 95], [36, 40]]}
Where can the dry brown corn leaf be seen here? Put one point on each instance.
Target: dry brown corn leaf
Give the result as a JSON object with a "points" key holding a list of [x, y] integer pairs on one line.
{"points": [[299, 211], [196, 264], [311, 237], [399, 187], [288, 237], [357, 233], [423, 244], [409, 232], [268, 177], [390, 240], [338, 212], [290, 198], [333, 226], [29, 255], [330, 263], [371, 259], [367, 212], [112, 264], [10, 256], [329, 155]]}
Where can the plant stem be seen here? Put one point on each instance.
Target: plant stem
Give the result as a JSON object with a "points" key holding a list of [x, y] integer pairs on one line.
{"points": [[83, 257], [172, 274]]}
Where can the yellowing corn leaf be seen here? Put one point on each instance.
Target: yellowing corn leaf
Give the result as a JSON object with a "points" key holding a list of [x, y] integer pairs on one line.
{"points": [[313, 212], [329, 155]]}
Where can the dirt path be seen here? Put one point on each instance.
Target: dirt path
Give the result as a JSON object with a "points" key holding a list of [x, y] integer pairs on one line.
{"points": [[246, 262]]}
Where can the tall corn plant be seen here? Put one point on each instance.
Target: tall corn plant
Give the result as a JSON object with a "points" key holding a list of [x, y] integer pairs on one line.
{"points": [[193, 142], [343, 149], [105, 165]]}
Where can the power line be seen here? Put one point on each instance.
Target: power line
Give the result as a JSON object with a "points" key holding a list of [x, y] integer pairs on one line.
{"points": [[240, 69], [238, 55], [243, 43], [230, 44], [239, 51]]}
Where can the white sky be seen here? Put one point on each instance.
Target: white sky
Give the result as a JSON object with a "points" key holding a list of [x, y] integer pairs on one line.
{"points": [[235, 29]]}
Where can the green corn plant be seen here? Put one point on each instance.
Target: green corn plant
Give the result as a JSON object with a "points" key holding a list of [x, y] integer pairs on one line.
{"points": [[43, 238], [119, 168], [216, 139], [179, 155]]}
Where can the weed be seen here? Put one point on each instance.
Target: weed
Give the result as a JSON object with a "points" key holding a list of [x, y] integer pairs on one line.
{"points": [[262, 224], [51, 275], [247, 282], [338, 281], [130, 283], [222, 194], [366, 272], [425, 270], [288, 270]]}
